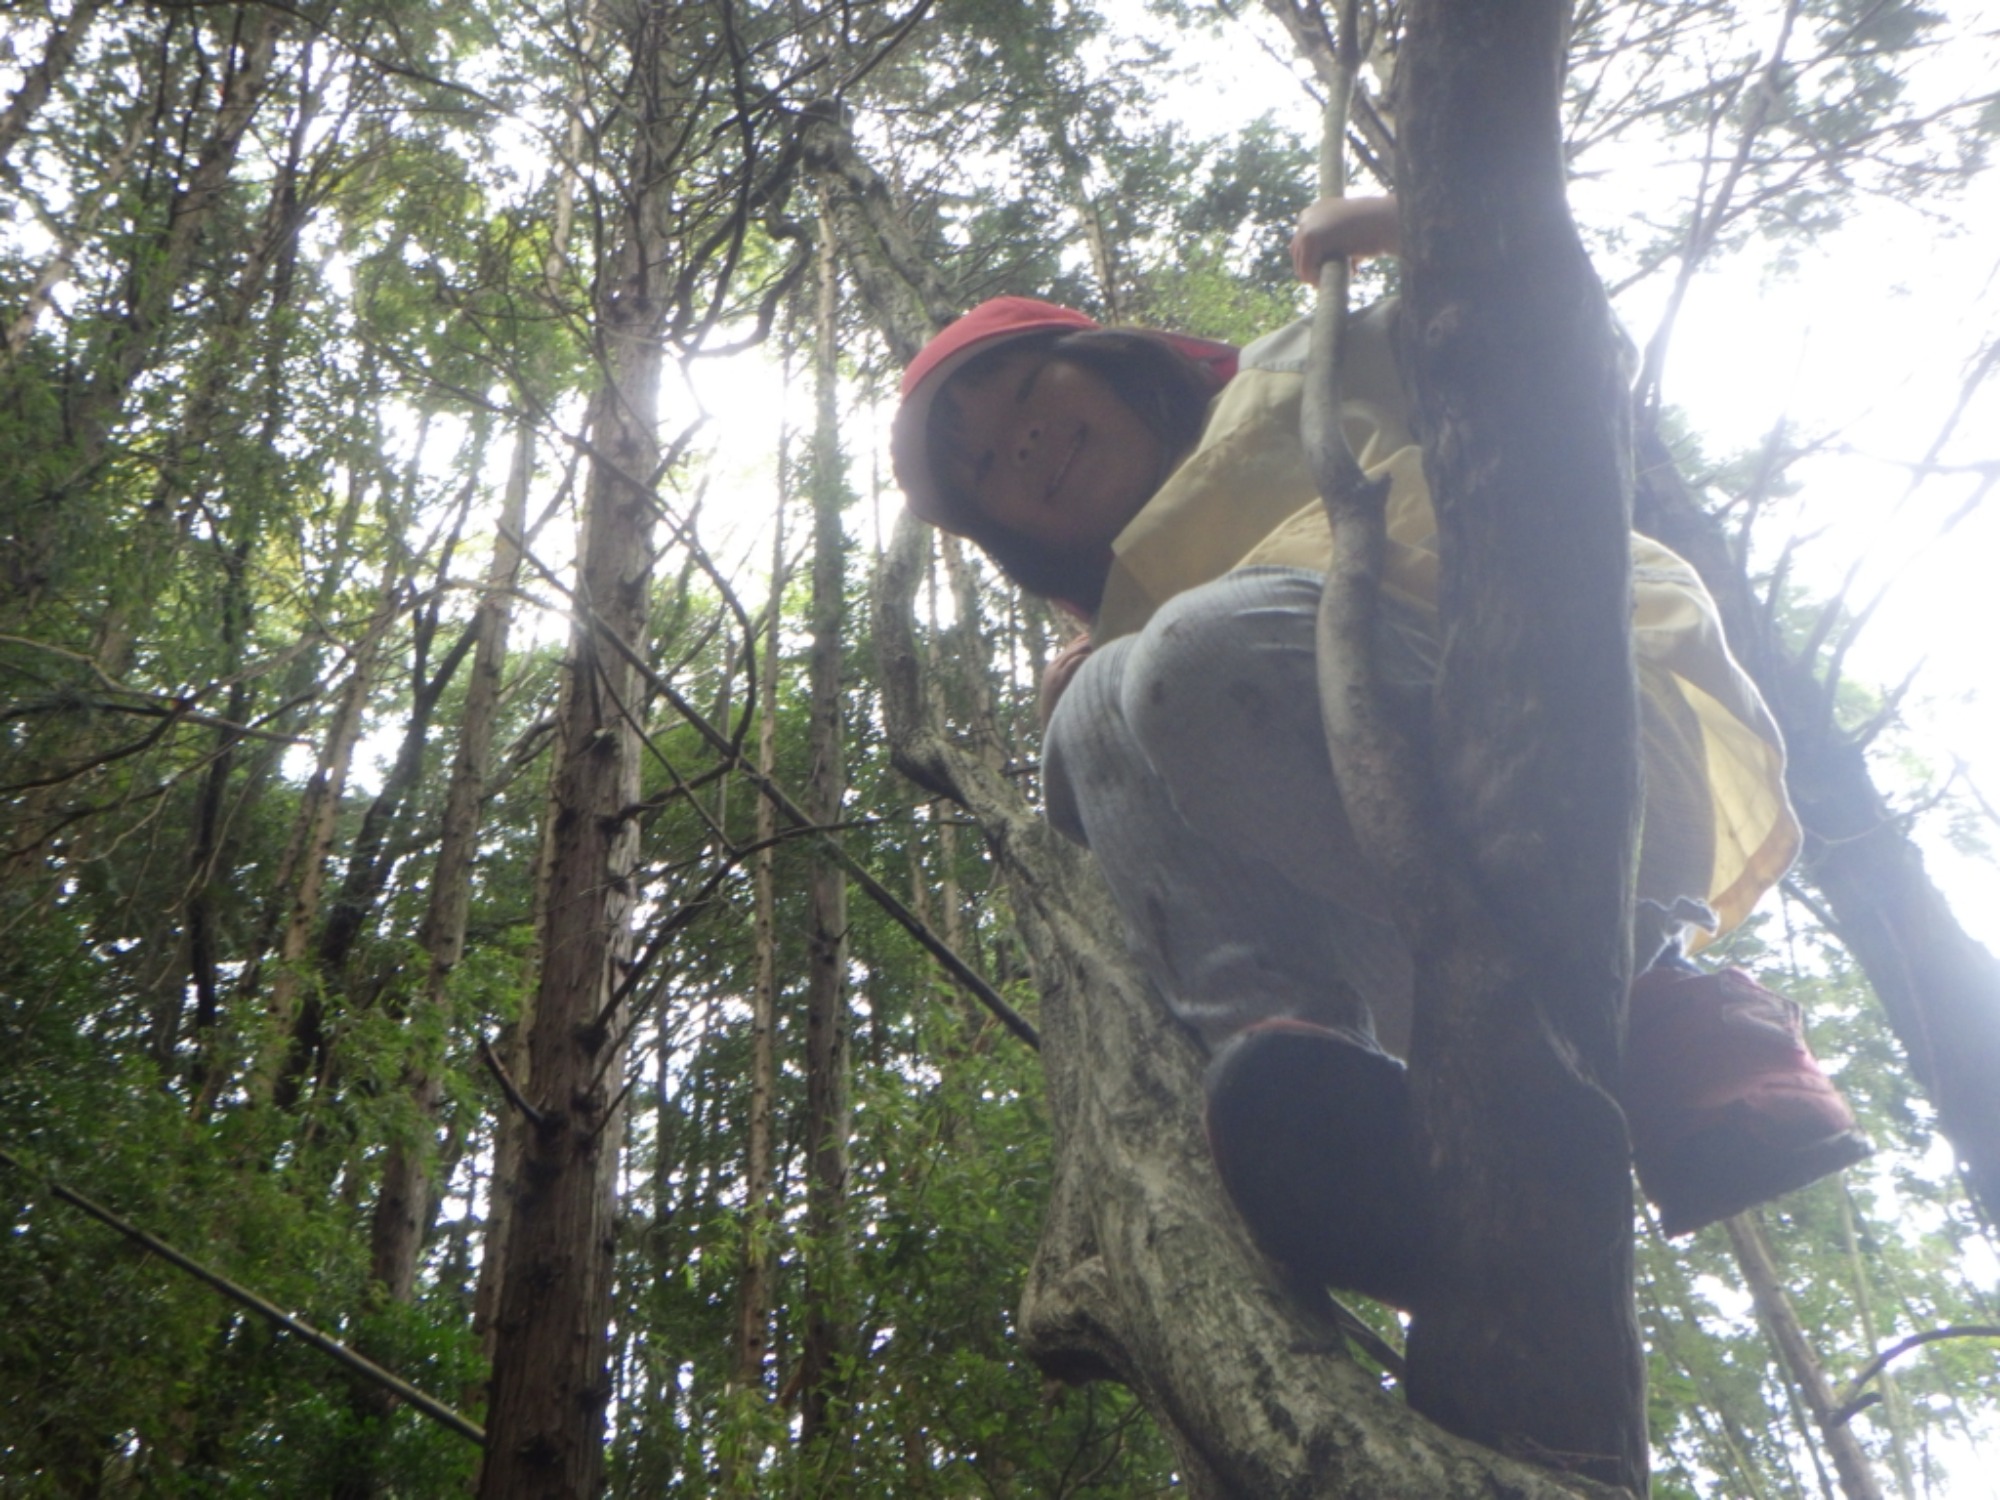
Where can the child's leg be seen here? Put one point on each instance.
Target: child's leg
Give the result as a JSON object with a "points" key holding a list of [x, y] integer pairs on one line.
{"points": [[1190, 758]]}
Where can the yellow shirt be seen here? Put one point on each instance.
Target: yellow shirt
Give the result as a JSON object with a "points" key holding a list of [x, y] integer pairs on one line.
{"points": [[1718, 824]]}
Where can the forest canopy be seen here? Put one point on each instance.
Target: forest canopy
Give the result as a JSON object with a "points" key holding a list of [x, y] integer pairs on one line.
{"points": [[508, 856]]}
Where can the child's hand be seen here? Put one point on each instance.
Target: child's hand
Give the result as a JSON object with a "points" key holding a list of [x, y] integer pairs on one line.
{"points": [[1352, 227], [1061, 668]]}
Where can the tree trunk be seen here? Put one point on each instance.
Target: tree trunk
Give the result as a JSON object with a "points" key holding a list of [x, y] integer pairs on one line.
{"points": [[402, 1205], [1530, 1343], [38, 81], [305, 867], [167, 260], [824, 1336], [550, 1385], [1781, 1325], [753, 1324], [1144, 1273], [551, 1380]]}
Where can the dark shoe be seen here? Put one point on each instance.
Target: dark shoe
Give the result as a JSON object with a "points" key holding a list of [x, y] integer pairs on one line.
{"points": [[1727, 1105], [1310, 1128]]}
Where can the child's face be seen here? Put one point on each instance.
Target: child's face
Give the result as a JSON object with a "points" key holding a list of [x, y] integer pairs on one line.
{"points": [[1046, 449]]}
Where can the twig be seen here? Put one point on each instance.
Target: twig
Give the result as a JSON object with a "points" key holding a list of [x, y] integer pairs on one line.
{"points": [[1856, 1401], [969, 978]]}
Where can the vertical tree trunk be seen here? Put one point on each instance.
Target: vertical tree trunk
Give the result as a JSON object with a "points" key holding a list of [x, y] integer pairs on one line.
{"points": [[826, 992], [312, 843], [167, 260], [753, 1326], [1530, 1342], [1781, 1323], [551, 1380], [503, 1185], [402, 1207]]}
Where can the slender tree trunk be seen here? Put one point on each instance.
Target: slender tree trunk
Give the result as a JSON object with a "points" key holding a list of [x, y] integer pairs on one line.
{"points": [[1895, 1406], [404, 1198], [753, 1326], [168, 260], [982, 728], [826, 993], [61, 260], [1781, 1323], [203, 943], [403, 1206], [371, 853], [41, 79], [312, 844]]}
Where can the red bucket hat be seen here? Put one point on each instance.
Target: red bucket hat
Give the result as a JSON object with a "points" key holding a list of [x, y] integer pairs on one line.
{"points": [[990, 324]]}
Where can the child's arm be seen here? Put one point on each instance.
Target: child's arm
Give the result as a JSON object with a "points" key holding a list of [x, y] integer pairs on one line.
{"points": [[1353, 227]]}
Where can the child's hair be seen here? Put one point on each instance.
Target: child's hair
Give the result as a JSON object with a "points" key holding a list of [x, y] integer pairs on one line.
{"points": [[1166, 390]]}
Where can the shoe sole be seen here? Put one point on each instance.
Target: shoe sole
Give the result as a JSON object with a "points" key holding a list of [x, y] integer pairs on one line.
{"points": [[1718, 1172]]}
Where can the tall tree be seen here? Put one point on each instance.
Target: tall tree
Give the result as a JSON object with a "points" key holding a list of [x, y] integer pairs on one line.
{"points": [[824, 1339], [550, 1383]]}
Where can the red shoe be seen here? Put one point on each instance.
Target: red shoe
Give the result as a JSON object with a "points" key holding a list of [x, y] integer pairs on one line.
{"points": [[1310, 1128], [1727, 1105]]}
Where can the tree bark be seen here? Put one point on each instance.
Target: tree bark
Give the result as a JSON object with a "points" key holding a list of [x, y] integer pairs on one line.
{"points": [[824, 1335], [305, 866], [38, 81], [166, 261], [753, 1322], [551, 1380], [1530, 1342], [402, 1205]]}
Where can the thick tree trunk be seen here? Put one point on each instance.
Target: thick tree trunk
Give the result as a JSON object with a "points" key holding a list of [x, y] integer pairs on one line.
{"points": [[1144, 1274], [1530, 1342], [550, 1383], [824, 1336]]}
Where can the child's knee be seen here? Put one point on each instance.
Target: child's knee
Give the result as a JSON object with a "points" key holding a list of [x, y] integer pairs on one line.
{"points": [[1225, 665]]}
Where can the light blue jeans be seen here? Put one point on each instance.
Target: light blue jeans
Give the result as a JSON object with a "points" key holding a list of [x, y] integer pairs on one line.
{"points": [[1190, 758]]}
